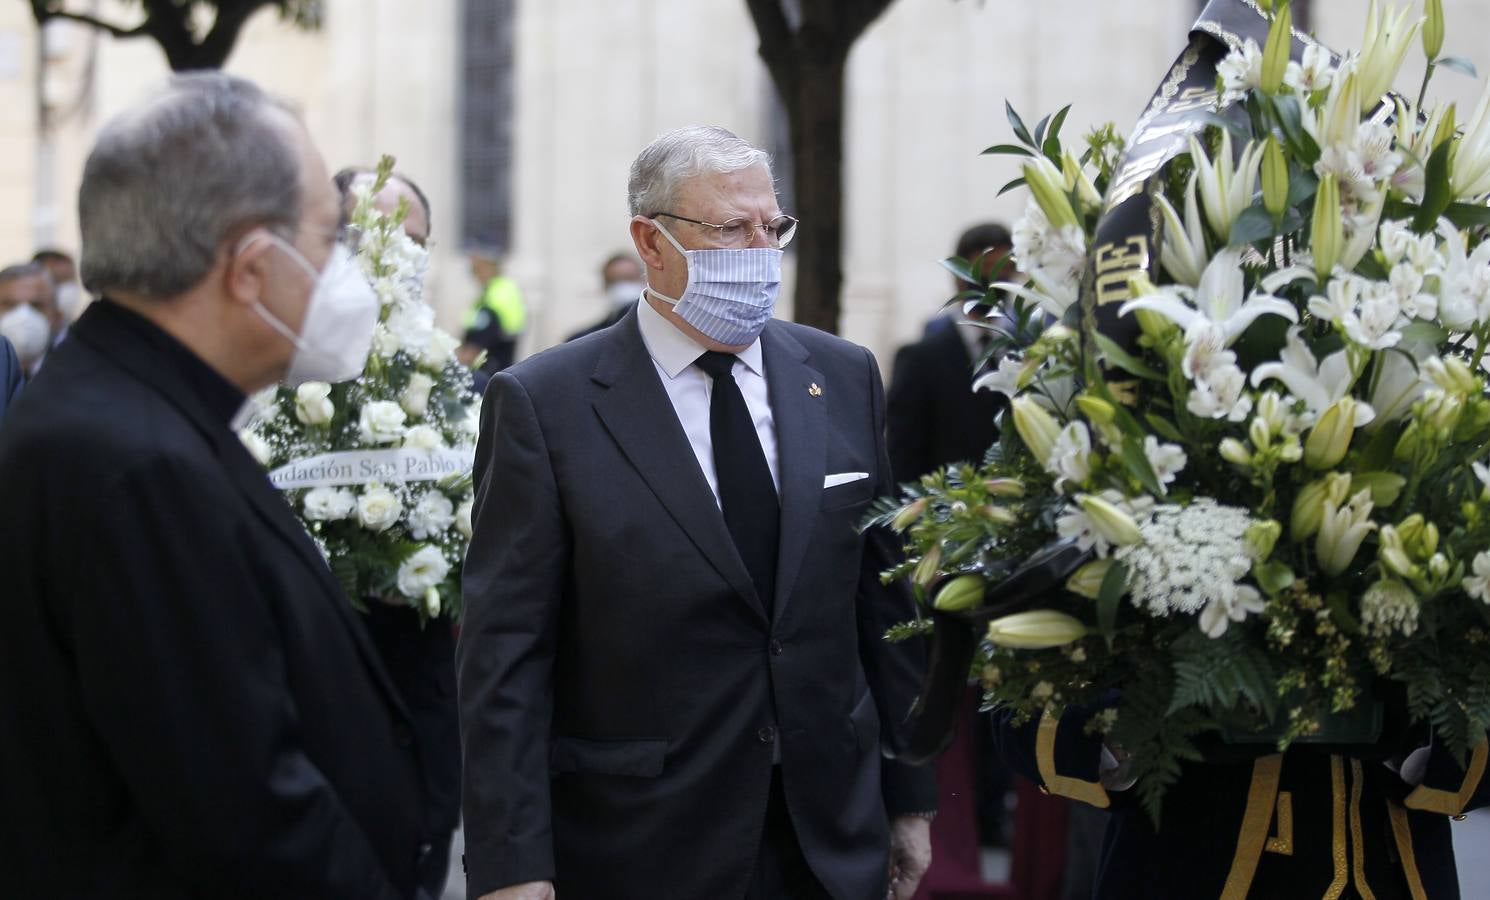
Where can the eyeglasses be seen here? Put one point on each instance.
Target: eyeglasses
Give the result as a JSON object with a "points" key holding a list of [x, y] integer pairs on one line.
{"points": [[739, 232]]}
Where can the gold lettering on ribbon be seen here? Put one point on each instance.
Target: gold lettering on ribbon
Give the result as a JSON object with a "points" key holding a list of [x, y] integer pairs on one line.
{"points": [[1192, 98], [1135, 174], [1115, 263]]}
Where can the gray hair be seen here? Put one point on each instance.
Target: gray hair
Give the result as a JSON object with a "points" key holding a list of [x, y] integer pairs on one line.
{"points": [[172, 179], [686, 153], [31, 269]]}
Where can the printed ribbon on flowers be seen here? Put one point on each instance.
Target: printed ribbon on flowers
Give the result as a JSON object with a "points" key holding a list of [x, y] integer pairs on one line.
{"points": [[360, 466]]}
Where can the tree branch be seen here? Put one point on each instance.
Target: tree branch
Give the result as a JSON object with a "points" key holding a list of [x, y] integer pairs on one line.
{"points": [[848, 19], [231, 17], [778, 44], [43, 13]]}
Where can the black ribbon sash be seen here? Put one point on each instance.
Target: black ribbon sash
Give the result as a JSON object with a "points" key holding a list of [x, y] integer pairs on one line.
{"points": [[1126, 243]]}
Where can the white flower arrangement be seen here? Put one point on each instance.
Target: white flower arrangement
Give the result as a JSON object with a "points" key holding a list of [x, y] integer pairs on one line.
{"points": [[386, 537]]}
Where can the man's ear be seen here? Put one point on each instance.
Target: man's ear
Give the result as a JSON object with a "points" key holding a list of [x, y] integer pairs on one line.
{"points": [[247, 269], [648, 241]]}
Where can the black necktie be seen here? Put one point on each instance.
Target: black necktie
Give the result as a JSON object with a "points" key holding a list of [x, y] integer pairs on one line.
{"points": [[746, 492]]}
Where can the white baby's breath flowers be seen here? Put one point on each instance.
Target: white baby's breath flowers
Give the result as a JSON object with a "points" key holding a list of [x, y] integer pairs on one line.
{"points": [[329, 504], [1389, 607], [425, 568], [378, 509], [313, 404], [430, 516], [381, 422], [1477, 585], [415, 396], [1190, 561]]}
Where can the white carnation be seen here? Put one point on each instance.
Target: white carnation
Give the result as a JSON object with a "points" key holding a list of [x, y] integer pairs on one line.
{"points": [[430, 516], [415, 397], [313, 404], [378, 508], [382, 422], [424, 569], [411, 325], [329, 504]]}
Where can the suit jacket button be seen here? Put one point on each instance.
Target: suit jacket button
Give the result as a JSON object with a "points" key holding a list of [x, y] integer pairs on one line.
{"points": [[776, 648], [767, 734], [424, 851]]}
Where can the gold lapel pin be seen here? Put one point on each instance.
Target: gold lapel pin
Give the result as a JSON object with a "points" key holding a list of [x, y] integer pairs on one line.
{"points": [[814, 390]]}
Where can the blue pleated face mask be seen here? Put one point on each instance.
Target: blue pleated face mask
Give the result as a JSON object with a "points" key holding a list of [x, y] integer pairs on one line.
{"points": [[730, 294]]}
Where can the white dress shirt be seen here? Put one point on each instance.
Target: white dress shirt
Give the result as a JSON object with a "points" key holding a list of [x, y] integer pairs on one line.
{"points": [[690, 389]]}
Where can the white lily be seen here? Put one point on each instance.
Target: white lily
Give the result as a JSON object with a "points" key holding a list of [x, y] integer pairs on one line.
{"points": [[1240, 71], [1398, 386], [1233, 606], [1003, 380], [1227, 186], [1167, 460], [1220, 394], [1336, 121], [1388, 35], [1464, 281], [1312, 73], [1341, 532], [1319, 383], [1219, 300], [1070, 458], [1469, 167], [1183, 252], [1482, 472], [1416, 143]]}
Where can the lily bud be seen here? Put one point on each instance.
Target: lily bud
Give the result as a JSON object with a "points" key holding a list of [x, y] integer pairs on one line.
{"points": [[431, 602], [1409, 444], [1235, 452], [1330, 437], [1452, 374], [1155, 326], [927, 568], [1259, 433], [1036, 428], [1114, 525], [1446, 127], [1038, 629], [1327, 233], [1275, 53], [1433, 29], [1260, 538], [1087, 580], [1308, 506], [1004, 487], [1096, 409], [1076, 179], [994, 513], [1425, 543], [1274, 179], [909, 514], [1048, 185], [962, 592], [1438, 566], [1391, 551], [1341, 531]]}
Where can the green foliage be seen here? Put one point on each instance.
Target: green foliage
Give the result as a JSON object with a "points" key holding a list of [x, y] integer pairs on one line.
{"points": [[1222, 673]]}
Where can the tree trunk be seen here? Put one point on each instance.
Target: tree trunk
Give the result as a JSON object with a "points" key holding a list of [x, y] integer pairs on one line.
{"points": [[815, 109]]}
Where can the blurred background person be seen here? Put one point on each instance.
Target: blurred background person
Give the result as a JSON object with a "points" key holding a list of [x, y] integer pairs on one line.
{"points": [[29, 316], [496, 319], [621, 284], [420, 658], [400, 187], [71, 298], [12, 376]]}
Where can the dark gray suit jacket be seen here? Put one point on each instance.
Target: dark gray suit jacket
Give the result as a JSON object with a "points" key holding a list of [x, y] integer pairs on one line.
{"points": [[622, 689]]}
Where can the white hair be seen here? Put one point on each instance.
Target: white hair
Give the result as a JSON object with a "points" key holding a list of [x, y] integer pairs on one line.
{"points": [[685, 153]]}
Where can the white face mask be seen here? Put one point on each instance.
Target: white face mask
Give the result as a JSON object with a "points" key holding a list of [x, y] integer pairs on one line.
{"points": [[730, 294], [624, 293], [28, 331], [70, 301], [337, 332]]}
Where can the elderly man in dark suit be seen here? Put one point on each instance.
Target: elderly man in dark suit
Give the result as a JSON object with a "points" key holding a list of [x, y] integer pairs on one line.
{"points": [[188, 704], [672, 676], [12, 376]]}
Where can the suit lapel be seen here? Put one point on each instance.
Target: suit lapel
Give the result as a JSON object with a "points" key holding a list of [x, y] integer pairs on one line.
{"points": [[637, 412], [801, 416]]}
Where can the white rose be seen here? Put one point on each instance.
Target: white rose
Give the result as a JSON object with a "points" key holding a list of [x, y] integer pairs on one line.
{"points": [[257, 447], [424, 569], [382, 422], [328, 504], [439, 350], [463, 519], [313, 404], [415, 397], [423, 437], [378, 508], [430, 516]]}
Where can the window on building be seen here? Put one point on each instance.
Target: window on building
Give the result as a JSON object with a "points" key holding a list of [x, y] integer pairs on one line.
{"points": [[487, 71]]}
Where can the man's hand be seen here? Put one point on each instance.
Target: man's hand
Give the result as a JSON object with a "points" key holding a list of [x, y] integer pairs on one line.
{"points": [[533, 890], [910, 855]]}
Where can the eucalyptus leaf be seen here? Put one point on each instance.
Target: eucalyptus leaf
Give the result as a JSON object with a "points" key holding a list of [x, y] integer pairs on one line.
{"points": [[1252, 226]]}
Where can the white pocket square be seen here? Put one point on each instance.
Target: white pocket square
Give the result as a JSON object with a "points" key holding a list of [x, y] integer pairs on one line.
{"points": [[843, 478]]}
